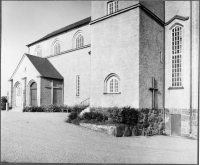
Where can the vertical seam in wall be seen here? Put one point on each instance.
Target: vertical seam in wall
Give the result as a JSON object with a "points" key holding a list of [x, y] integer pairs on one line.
{"points": [[139, 55], [63, 92], [52, 91], [190, 67], [164, 69]]}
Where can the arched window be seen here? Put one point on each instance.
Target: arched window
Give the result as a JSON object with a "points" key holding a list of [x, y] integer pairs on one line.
{"points": [[19, 90], [38, 51], [112, 84], [56, 48], [177, 40], [79, 41]]}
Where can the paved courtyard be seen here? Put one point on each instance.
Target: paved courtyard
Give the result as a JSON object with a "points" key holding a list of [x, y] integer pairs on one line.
{"points": [[46, 138]]}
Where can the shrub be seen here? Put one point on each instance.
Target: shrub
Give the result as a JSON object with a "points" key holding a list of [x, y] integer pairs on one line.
{"points": [[3, 102], [93, 115], [72, 116], [76, 120], [33, 109], [53, 108], [129, 116], [115, 114]]}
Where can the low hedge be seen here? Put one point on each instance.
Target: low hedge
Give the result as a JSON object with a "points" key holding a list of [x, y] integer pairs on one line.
{"points": [[135, 119], [54, 108]]}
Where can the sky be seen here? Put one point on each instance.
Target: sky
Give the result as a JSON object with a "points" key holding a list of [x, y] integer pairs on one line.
{"points": [[24, 22]]}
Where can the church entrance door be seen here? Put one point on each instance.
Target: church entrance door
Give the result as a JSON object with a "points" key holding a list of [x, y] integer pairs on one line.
{"points": [[18, 95], [175, 124], [33, 91]]}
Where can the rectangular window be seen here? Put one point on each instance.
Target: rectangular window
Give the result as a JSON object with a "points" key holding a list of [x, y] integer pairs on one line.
{"points": [[77, 85], [176, 56], [112, 7], [161, 57]]}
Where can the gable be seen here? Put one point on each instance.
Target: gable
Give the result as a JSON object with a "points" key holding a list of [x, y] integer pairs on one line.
{"points": [[35, 66], [24, 68], [44, 67]]}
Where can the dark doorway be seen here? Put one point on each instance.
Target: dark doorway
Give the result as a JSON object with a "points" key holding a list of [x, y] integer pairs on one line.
{"points": [[175, 124], [33, 91], [57, 96]]}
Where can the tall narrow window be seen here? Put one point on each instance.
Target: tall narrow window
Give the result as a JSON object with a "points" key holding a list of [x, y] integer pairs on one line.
{"points": [[56, 48], [113, 7], [79, 41], [78, 85], [19, 90], [176, 56]]}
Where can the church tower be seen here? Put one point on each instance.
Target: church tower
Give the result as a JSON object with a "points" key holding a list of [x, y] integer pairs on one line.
{"points": [[127, 54]]}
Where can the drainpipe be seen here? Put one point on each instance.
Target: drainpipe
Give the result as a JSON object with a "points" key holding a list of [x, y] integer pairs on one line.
{"points": [[164, 69], [190, 68], [198, 92]]}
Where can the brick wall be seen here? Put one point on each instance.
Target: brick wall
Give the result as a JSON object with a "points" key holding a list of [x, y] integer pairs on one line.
{"points": [[58, 92], [151, 45], [45, 91]]}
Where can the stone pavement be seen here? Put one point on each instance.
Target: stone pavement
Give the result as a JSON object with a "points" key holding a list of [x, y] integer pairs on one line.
{"points": [[46, 138]]}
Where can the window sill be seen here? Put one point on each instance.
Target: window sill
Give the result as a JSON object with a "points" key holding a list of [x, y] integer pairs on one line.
{"points": [[174, 88], [112, 93]]}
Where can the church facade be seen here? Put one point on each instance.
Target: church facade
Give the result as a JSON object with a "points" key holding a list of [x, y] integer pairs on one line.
{"points": [[142, 54]]}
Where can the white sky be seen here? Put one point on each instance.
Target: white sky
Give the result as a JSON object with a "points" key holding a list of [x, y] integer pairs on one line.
{"points": [[24, 22]]}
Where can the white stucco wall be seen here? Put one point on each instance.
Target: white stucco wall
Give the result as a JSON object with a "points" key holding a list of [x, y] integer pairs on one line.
{"points": [[99, 8], [65, 39], [69, 65], [177, 98], [115, 49], [30, 74], [195, 52]]}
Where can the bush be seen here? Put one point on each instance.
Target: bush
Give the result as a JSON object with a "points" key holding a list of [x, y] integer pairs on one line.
{"points": [[129, 116], [34, 109], [115, 114], [72, 116], [3, 102], [93, 115]]}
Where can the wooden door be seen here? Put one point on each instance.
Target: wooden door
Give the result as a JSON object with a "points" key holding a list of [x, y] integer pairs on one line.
{"points": [[175, 124], [18, 95], [33, 91], [57, 96]]}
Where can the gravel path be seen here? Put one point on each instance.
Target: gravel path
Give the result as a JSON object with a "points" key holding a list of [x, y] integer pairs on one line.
{"points": [[46, 138]]}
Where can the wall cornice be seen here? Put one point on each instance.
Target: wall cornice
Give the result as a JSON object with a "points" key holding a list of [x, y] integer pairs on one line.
{"points": [[127, 9], [68, 51]]}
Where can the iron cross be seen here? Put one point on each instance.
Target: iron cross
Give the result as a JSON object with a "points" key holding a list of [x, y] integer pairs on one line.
{"points": [[153, 89]]}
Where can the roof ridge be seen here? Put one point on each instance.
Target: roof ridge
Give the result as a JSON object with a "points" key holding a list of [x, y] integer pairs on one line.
{"points": [[63, 29]]}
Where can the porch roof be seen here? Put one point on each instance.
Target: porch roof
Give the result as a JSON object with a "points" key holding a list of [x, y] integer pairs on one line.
{"points": [[44, 67]]}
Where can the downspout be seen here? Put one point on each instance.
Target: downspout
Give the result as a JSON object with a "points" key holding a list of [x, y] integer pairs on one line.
{"points": [[190, 68], [198, 90], [164, 69]]}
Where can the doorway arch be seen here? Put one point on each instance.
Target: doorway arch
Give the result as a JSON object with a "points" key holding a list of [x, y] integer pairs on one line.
{"points": [[18, 94], [33, 94]]}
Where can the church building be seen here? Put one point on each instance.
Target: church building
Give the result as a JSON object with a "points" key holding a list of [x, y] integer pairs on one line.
{"points": [[142, 54]]}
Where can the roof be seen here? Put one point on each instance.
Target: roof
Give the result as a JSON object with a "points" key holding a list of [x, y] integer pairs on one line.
{"points": [[44, 67], [64, 29]]}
